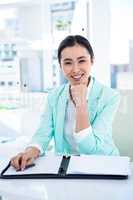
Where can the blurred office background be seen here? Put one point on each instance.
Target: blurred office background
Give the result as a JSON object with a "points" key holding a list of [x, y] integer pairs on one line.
{"points": [[30, 31]]}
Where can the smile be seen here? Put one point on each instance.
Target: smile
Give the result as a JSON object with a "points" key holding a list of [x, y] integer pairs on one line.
{"points": [[77, 77]]}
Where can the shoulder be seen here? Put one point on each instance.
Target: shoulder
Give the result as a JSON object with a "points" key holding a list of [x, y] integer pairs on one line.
{"points": [[105, 93], [55, 93]]}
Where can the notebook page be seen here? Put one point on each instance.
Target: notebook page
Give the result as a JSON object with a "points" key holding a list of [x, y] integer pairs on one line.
{"points": [[44, 164], [104, 165]]}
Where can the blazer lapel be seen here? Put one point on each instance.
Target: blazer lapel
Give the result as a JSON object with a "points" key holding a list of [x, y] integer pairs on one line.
{"points": [[60, 120], [93, 100]]}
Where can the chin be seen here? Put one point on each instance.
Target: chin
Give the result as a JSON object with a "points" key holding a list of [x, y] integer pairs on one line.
{"points": [[75, 83]]}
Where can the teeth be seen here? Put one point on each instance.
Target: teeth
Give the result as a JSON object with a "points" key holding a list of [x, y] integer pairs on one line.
{"points": [[77, 77]]}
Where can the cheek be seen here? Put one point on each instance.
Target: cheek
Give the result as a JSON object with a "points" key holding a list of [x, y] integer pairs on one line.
{"points": [[66, 72], [87, 69]]}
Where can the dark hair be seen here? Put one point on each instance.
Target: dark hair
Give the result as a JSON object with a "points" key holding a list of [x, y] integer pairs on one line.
{"points": [[71, 40]]}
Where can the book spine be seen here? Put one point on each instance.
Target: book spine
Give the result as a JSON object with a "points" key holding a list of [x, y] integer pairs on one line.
{"points": [[64, 165]]}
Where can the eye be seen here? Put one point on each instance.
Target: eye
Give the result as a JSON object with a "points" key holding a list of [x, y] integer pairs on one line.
{"points": [[67, 63], [81, 61]]}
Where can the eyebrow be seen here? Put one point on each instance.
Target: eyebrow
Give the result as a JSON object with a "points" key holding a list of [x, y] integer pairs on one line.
{"points": [[69, 59], [81, 57]]}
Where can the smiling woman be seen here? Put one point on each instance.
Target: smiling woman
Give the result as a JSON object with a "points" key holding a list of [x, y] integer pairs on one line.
{"points": [[78, 114]]}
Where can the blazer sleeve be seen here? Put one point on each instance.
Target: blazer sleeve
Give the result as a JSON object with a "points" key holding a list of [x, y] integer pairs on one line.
{"points": [[45, 131], [99, 139]]}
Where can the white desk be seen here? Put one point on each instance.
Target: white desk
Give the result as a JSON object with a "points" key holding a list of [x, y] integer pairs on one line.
{"points": [[65, 189]]}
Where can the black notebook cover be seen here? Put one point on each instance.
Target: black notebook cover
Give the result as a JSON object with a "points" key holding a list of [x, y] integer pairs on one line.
{"points": [[61, 173]]}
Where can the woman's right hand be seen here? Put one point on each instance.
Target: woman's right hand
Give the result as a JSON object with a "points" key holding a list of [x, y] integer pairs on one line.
{"points": [[21, 160]]}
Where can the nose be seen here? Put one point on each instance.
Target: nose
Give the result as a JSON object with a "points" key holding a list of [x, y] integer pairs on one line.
{"points": [[75, 67]]}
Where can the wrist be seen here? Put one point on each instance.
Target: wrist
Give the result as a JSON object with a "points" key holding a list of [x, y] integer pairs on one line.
{"points": [[81, 106], [33, 151]]}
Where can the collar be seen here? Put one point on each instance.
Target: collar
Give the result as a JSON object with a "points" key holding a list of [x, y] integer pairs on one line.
{"points": [[89, 88]]}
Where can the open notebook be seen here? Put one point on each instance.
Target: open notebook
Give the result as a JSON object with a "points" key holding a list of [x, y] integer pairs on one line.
{"points": [[51, 166]]}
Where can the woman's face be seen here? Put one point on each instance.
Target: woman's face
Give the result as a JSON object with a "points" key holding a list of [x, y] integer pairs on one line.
{"points": [[76, 64]]}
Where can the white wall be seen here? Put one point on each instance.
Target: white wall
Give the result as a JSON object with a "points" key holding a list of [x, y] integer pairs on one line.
{"points": [[99, 36], [30, 27], [121, 30], [79, 22], [47, 57]]}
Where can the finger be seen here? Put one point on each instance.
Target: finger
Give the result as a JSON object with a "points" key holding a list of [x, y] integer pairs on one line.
{"points": [[15, 162], [84, 80], [29, 161], [23, 162], [26, 160]]}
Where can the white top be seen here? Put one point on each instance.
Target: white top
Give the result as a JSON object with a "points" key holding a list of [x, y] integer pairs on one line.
{"points": [[70, 135]]}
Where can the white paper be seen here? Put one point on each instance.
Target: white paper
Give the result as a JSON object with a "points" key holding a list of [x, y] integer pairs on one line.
{"points": [[44, 164], [104, 165]]}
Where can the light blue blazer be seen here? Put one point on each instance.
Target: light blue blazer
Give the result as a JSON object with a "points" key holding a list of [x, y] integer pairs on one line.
{"points": [[102, 105]]}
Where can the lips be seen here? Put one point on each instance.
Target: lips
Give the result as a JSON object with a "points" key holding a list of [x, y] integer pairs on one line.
{"points": [[77, 77]]}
